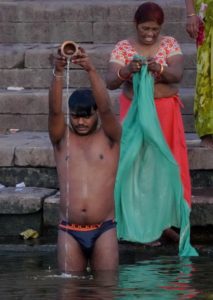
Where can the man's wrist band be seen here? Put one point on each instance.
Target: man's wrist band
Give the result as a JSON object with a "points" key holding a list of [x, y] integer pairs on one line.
{"points": [[121, 77], [59, 76], [191, 15]]}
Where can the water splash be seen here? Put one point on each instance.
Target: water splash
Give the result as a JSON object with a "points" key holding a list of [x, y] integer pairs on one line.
{"points": [[71, 276]]}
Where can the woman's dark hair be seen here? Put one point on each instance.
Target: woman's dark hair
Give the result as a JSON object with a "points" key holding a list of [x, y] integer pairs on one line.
{"points": [[82, 102], [149, 11]]}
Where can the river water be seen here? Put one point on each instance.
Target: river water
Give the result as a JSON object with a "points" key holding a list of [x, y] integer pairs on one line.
{"points": [[29, 275]]}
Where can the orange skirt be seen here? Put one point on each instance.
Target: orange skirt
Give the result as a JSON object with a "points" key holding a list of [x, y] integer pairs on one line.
{"points": [[169, 115]]}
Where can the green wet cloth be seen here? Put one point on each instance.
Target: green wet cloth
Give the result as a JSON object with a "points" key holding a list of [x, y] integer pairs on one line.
{"points": [[148, 189]]}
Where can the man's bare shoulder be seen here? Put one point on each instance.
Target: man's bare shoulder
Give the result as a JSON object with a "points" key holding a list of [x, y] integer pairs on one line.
{"points": [[73, 140], [105, 137]]}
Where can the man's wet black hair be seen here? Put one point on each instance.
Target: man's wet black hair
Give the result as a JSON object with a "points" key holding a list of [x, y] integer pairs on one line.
{"points": [[82, 103]]}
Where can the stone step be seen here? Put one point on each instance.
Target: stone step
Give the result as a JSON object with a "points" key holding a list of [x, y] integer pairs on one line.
{"points": [[82, 21], [30, 66], [28, 157], [201, 212], [41, 78], [37, 55], [21, 209], [34, 149], [38, 209], [27, 109], [202, 205]]}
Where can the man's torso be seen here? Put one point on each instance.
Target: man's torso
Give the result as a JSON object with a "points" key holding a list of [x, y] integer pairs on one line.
{"points": [[86, 167]]}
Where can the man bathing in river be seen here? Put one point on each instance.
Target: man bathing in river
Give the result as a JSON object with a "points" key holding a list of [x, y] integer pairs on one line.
{"points": [[87, 230]]}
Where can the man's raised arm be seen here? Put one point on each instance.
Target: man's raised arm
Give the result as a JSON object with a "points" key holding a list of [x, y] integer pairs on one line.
{"points": [[56, 120], [110, 123]]}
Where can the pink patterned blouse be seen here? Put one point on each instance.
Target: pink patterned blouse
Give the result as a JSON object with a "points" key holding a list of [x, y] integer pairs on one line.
{"points": [[124, 51]]}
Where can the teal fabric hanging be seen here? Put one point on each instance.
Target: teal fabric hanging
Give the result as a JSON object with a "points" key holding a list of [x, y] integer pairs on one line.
{"points": [[148, 189]]}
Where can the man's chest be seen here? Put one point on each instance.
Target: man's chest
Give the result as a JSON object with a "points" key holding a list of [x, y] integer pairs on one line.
{"points": [[97, 150]]}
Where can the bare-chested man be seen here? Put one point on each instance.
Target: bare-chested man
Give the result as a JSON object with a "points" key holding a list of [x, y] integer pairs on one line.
{"points": [[87, 231]]}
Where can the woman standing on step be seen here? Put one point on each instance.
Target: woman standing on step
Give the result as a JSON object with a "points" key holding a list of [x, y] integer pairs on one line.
{"points": [[164, 59], [199, 25]]}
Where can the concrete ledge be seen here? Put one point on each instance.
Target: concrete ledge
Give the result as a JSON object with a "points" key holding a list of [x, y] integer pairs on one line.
{"points": [[202, 207], [41, 78], [130, 253], [26, 149], [51, 210], [29, 66], [22, 200], [34, 149], [38, 55], [83, 21], [21, 209], [27, 109], [45, 177], [12, 224], [81, 10], [39, 209], [199, 156], [35, 101], [201, 214]]}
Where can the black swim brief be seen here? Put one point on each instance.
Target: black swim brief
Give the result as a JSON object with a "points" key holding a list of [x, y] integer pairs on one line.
{"points": [[86, 235]]}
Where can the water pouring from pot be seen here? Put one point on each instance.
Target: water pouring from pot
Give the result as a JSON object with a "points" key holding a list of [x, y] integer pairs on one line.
{"points": [[69, 49]]}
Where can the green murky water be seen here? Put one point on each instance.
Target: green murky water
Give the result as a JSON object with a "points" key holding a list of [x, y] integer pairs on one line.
{"points": [[25, 275]]}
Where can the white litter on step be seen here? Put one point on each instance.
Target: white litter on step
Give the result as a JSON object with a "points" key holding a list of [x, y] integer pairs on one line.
{"points": [[14, 130], [2, 186], [15, 88], [20, 186]]}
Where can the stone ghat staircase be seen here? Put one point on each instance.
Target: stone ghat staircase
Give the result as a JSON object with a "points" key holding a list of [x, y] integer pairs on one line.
{"points": [[30, 33]]}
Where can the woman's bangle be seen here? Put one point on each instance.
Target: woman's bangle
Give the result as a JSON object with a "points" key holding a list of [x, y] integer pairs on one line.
{"points": [[161, 69], [191, 15], [121, 77], [59, 76]]}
